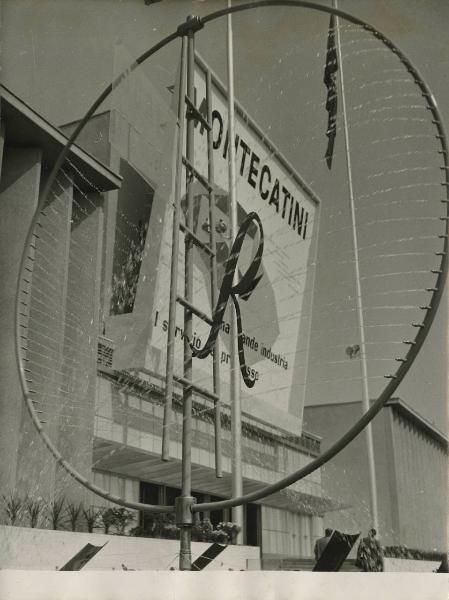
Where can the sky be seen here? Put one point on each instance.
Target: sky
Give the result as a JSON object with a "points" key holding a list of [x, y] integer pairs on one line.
{"points": [[58, 56]]}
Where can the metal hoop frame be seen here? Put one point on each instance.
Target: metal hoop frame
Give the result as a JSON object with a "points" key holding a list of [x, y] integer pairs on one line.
{"points": [[192, 25]]}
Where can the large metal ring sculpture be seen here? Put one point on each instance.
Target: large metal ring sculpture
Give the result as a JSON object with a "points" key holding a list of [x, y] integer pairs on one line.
{"points": [[192, 25]]}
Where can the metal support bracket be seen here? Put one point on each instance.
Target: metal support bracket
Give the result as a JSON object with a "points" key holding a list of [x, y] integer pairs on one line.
{"points": [[192, 25], [183, 510]]}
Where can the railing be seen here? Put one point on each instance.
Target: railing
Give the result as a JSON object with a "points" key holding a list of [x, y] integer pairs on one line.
{"points": [[151, 389]]}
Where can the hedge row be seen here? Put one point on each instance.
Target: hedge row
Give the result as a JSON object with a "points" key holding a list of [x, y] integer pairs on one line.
{"points": [[412, 553]]}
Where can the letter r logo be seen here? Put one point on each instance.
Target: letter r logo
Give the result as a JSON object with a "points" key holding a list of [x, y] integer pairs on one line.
{"points": [[243, 289]]}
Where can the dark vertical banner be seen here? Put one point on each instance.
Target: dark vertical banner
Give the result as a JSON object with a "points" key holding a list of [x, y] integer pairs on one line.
{"points": [[208, 556], [330, 81], [77, 562], [336, 551]]}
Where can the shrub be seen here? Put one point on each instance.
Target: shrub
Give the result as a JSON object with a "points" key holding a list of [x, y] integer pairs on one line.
{"points": [[34, 507], [123, 518], [92, 516], [119, 518], [229, 530], [13, 507], [219, 536], [55, 509], [412, 553], [156, 526], [73, 512], [107, 518], [164, 526], [202, 531]]}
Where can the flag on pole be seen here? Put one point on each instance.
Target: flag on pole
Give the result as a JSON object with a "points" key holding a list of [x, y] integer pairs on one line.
{"points": [[330, 81]]}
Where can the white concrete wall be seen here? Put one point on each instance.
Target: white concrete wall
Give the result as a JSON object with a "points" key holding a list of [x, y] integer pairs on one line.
{"points": [[280, 585], [289, 534], [42, 549]]}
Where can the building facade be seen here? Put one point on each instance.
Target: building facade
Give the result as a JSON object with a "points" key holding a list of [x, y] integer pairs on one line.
{"points": [[105, 419], [411, 463], [73, 219]]}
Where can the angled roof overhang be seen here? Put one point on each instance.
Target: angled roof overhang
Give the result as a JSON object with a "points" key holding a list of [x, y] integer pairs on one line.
{"points": [[24, 127]]}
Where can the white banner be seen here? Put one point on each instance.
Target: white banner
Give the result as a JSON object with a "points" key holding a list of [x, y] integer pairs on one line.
{"points": [[275, 323]]}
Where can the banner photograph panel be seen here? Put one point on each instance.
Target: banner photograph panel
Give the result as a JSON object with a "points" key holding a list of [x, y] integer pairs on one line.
{"points": [[274, 314]]}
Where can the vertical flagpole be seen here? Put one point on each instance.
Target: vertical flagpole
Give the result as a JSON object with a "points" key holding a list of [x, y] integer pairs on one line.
{"points": [[236, 417], [365, 395]]}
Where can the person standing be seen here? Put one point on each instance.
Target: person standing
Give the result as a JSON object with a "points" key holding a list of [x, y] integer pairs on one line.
{"points": [[321, 543], [369, 553]]}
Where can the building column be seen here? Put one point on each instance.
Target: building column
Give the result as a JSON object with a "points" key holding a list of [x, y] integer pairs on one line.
{"points": [[77, 423], [46, 324], [19, 192]]}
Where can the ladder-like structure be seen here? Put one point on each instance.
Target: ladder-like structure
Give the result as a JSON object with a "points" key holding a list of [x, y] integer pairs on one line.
{"points": [[188, 116]]}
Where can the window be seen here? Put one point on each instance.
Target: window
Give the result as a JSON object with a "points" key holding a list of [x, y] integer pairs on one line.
{"points": [[135, 200]]}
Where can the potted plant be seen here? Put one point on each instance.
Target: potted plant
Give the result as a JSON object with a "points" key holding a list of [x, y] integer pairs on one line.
{"points": [[229, 529]]}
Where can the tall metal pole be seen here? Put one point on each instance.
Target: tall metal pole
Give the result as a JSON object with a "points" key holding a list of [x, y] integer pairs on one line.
{"points": [[184, 516], [174, 257], [365, 394], [213, 282], [236, 409]]}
